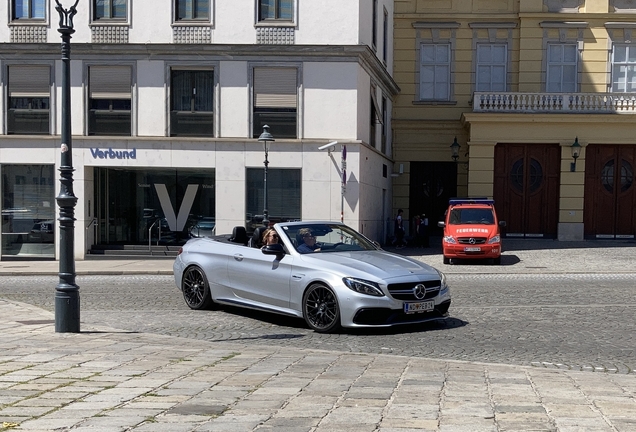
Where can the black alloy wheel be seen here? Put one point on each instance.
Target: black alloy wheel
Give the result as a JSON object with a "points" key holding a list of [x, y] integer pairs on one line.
{"points": [[196, 289], [320, 309]]}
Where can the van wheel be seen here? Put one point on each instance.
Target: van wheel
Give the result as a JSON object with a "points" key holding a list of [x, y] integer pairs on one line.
{"points": [[446, 260]]}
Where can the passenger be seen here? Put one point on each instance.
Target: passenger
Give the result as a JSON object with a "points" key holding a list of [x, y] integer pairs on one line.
{"points": [[309, 241], [270, 237]]}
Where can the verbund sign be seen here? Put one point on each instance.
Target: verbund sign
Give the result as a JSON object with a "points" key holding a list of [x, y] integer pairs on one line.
{"points": [[113, 154]]}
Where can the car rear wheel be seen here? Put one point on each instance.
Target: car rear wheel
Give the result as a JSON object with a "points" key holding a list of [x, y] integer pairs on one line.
{"points": [[196, 289], [320, 309]]}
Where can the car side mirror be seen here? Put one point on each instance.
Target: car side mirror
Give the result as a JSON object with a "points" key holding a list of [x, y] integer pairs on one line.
{"points": [[502, 223], [441, 224], [274, 249]]}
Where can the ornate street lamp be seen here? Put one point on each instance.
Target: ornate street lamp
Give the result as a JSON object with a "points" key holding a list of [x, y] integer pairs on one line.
{"points": [[576, 152], [265, 138], [67, 304], [455, 150]]}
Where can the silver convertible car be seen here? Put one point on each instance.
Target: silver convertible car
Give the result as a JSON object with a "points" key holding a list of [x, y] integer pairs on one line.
{"points": [[324, 272]]}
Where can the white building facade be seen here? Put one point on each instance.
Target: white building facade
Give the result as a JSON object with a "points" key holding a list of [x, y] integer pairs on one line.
{"points": [[168, 100]]}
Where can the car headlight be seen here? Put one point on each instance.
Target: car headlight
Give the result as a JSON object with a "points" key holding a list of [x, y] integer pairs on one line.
{"points": [[363, 286], [495, 239], [450, 239], [442, 279]]}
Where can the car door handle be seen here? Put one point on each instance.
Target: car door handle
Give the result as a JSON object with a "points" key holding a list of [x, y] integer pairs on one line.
{"points": [[238, 257]]}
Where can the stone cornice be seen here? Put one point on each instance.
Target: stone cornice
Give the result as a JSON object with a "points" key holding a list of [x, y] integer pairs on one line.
{"points": [[212, 52]]}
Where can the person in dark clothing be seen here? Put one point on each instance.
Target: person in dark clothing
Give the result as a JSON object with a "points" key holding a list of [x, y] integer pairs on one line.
{"points": [[423, 231], [399, 230]]}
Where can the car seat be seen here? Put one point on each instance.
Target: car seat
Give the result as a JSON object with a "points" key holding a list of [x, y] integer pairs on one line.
{"points": [[239, 235], [257, 237]]}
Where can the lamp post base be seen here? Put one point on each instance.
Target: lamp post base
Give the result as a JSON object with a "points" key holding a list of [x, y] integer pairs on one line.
{"points": [[67, 312]]}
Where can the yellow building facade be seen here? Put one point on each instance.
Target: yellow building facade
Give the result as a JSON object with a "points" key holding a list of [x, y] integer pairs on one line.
{"points": [[529, 102]]}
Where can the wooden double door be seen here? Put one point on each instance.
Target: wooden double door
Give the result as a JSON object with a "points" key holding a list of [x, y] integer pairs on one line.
{"points": [[610, 193], [526, 188]]}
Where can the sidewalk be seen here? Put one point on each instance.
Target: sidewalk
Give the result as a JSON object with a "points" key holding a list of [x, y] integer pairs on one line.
{"points": [[107, 380]]}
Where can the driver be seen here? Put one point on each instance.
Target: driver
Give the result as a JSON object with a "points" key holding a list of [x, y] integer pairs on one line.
{"points": [[309, 241]]}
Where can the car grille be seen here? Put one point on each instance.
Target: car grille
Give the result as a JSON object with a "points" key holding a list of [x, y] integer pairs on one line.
{"points": [[467, 240], [406, 291]]}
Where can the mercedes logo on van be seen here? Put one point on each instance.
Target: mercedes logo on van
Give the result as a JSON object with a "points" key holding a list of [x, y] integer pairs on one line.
{"points": [[472, 240], [419, 291]]}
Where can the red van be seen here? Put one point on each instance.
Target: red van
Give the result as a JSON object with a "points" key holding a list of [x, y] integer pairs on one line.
{"points": [[471, 230]]}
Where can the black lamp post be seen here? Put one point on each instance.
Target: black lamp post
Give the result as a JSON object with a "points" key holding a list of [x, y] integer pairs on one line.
{"points": [[455, 150], [265, 138], [67, 304]]}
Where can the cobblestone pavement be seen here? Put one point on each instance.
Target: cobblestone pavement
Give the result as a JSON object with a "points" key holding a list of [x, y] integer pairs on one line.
{"points": [[560, 321]]}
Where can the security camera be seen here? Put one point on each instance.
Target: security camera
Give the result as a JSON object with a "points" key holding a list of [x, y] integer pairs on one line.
{"points": [[330, 146]]}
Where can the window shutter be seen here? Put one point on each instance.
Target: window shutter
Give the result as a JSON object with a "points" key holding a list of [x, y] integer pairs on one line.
{"points": [[29, 81], [275, 87], [110, 82]]}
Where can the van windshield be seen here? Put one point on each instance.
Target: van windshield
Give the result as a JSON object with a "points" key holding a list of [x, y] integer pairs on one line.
{"points": [[471, 216]]}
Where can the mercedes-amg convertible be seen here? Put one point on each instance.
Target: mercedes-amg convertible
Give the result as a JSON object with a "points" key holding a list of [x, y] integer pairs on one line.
{"points": [[342, 279]]}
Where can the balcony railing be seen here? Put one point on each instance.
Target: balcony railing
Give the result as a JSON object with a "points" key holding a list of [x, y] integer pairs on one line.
{"points": [[573, 103]]}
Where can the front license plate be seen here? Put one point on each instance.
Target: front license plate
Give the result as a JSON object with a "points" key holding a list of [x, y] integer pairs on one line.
{"points": [[426, 306], [472, 249]]}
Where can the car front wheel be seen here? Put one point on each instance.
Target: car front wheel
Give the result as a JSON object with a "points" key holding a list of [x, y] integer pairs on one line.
{"points": [[320, 309], [196, 289]]}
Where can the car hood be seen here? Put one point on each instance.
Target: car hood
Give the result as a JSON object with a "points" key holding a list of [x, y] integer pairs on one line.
{"points": [[381, 264], [473, 230]]}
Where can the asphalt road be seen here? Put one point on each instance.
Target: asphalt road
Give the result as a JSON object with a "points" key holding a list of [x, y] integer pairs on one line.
{"points": [[574, 321]]}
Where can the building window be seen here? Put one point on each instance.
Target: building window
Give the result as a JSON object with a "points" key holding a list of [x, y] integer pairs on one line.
{"points": [[385, 36], [491, 67], [374, 24], [109, 100], [276, 10], [385, 119], [29, 96], [283, 196], [28, 211], [28, 9], [110, 10], [192, 103], [561, 74], [624, 69], [192, 10], [435, 70], [275, 101]]}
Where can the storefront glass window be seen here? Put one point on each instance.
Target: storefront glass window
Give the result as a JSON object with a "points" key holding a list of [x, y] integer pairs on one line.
{"points": [[28, 211], [283, 196], [156, 206]]}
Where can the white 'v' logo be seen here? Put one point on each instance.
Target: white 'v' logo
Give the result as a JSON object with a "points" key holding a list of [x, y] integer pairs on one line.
{"points": [[176, 223]]}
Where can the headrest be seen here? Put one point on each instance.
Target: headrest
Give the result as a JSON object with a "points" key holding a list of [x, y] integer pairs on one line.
{"points": [[239, 235], [257, 237]]}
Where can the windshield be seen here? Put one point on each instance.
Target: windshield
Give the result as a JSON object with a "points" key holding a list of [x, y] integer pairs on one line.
{"points": [[325, 238], [471, 216]]}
